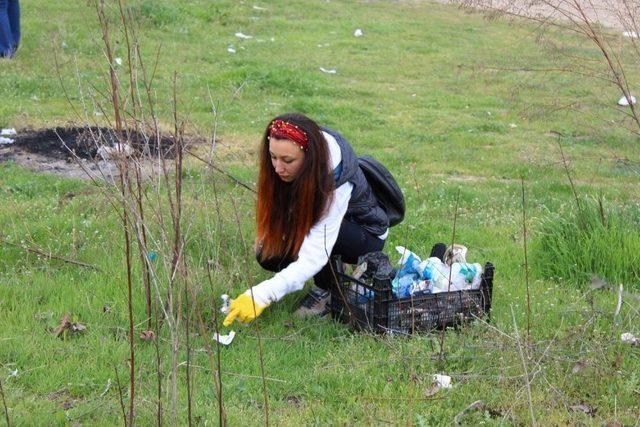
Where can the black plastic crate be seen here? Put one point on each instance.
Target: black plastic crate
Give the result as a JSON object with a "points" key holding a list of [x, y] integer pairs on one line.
{"points": [[370, 304]]}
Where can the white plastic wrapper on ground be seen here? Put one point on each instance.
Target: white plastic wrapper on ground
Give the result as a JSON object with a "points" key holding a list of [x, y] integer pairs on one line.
{"points": [[328, 70], [629, 338], [625, 102], [442, 381], [224, 339]]}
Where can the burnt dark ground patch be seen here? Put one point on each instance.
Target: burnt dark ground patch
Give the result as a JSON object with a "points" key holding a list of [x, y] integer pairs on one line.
{"points": [[61, 143], [72, 152]]}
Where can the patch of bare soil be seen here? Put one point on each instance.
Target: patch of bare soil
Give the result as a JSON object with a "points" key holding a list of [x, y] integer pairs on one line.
{"points": [[73, 152], [42, 163], [614, 14]]}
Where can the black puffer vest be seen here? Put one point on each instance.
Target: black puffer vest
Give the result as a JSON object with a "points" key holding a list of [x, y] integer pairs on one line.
{"points": [[363, 208]]}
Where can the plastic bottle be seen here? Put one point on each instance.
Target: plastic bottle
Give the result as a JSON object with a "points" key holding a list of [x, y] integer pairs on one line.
{"points": [[428, 268], [225, 304]]}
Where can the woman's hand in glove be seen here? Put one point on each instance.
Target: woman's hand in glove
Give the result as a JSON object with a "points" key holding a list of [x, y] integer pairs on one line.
{"points": [[243, 309]]}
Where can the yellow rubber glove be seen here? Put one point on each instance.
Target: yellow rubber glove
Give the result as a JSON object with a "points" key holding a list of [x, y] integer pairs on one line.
{"points": [[242, 308]]}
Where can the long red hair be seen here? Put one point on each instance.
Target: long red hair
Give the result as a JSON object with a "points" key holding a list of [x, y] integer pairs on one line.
{"points": [[286, 211]]}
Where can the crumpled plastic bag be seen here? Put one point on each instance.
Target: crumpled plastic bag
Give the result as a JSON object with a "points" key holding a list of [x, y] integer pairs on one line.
{"points": [[224, 339], [629, 338], [442, 381]]}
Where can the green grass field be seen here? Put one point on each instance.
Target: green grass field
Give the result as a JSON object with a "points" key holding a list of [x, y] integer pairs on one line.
{"points": [[432, 90]]}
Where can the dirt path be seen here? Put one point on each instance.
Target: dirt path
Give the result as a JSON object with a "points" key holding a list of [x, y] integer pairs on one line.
{"points": [[609, 13]]}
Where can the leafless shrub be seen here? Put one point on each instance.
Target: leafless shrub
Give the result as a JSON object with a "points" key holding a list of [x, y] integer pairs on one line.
{"points": [[143, 166], [610, 26]]}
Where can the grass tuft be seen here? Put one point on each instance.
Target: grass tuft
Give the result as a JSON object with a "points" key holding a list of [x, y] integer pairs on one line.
{"points": [[159, 14], [574, 244]]}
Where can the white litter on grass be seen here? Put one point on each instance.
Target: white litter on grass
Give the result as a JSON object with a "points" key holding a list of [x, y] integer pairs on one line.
{"points": [[619, 305], [442, 381], [119, 150], [259, 7], [224, 339], [106, 388], [243, 36], [231, 49], [118, 61], [630, 34], [629, 338], [513, 125], [358, 33], [4, 140], [624, 101], [328, 70], [8, 132]]}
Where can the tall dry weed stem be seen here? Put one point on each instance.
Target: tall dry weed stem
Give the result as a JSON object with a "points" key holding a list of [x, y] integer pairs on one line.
{"points": [[453, 241], [526, 259], [4, 404]]}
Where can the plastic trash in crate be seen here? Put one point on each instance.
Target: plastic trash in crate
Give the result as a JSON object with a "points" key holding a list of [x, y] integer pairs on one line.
{"points": [[368, 302]]}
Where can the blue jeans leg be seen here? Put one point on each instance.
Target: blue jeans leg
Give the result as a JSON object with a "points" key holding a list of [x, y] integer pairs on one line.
{"points": [[14, 22], [9, 27], [6, 38]]}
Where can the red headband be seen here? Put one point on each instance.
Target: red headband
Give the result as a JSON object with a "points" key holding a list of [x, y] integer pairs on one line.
{"points": [[280, 129]]}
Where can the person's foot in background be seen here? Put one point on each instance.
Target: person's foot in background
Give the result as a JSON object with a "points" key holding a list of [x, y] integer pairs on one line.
{"points": [[9, 27]]}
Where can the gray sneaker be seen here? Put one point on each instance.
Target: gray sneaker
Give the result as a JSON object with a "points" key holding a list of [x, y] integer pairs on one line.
{"points": [[315, 303]]}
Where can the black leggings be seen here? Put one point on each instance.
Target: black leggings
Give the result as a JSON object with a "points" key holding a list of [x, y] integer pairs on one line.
{"points": [[353, 241]]}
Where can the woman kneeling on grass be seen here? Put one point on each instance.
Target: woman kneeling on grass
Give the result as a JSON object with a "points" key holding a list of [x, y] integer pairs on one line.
{"points": [[313, 200]]}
